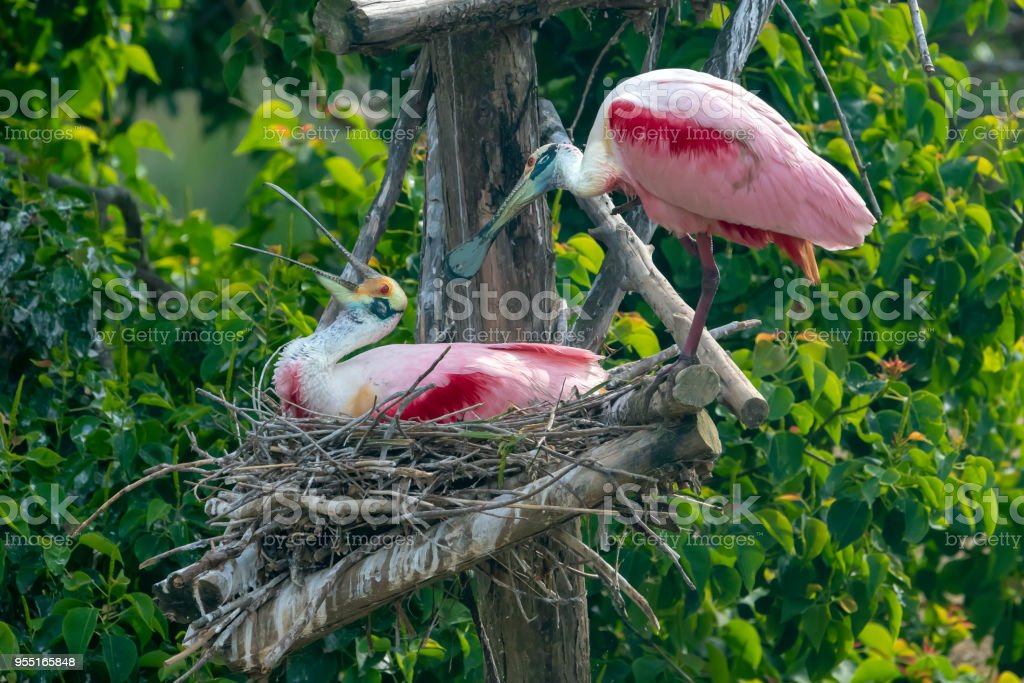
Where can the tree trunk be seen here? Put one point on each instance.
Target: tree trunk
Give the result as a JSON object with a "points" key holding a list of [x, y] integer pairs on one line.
{"points": [[485, 126]]}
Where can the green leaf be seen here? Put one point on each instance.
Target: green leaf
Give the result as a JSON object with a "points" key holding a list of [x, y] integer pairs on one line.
{"points": [[8, 641], [998, 15], [271, 125], [915, 95], [139, 61], [816, 537], [647, 667], [346, 175], [875, 671], [877, 637], [234, 67], [785, 456], [744, 642], [588, 246], [120, 655], [750, 559], [44, 457], [814, 623], [769, 40], [780, 400], [146, 135], [101, 545], [769, 358], [848, 519], [78, 627], [779, 528], [155, 400]]}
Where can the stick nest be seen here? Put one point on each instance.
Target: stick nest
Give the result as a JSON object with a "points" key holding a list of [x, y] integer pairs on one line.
{"points": [[317, 489]]}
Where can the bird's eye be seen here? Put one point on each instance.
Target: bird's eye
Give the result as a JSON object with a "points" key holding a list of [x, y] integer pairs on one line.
{"points": [[385, 289], [530, 162]]}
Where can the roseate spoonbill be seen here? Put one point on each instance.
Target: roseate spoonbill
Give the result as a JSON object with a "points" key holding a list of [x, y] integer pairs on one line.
{"points": [[469, 381], [704, 157]]}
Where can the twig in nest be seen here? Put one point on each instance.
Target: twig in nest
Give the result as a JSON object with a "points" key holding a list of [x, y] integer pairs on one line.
{"points": [[615, 581], [161, 471], [672, 554], [922, 40], [847, 133]]}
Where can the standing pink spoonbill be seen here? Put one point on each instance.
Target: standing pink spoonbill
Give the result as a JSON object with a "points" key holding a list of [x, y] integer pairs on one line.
{"points": [[470, 381], [704, 157]]}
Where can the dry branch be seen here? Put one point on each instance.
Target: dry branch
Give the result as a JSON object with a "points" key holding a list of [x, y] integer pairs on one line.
{"points": [[737, 38], [922, 39], [434, 244], [377, 25], [403, 137]]}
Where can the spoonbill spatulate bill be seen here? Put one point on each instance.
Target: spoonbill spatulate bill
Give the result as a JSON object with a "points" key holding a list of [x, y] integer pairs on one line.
{"points": [[470, 381], [704, 157]]}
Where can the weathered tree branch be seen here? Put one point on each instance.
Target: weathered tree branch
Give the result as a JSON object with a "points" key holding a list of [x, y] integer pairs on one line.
{"points": [[374, 25], [434, 242], [332, 597], [922, 39], [403, 137], [737, 38]]}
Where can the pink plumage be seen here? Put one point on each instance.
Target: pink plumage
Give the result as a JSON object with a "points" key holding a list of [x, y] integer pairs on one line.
{"points": [[471, 381], [705, 155]]}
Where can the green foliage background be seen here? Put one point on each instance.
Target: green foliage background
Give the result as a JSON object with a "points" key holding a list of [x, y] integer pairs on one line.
{"points": [[847, 573]]}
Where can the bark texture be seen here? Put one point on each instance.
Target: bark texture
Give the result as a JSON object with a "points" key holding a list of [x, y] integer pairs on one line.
{"points": [[486, 125], [374, 25]]}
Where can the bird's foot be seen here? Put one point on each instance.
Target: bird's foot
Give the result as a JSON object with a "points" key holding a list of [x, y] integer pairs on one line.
{"points": [[684, 361]]}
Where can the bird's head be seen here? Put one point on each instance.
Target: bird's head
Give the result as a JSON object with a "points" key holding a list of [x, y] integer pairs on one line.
{"points": [[545, 171], [376, 294], [380, 297]]}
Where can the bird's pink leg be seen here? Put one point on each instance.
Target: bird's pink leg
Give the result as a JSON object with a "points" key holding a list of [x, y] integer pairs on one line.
{"points": [[708, 287]]}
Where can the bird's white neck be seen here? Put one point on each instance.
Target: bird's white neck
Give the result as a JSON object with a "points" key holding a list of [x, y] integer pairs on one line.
{"points": [[304, 371], [585, 175], [351, 330]]}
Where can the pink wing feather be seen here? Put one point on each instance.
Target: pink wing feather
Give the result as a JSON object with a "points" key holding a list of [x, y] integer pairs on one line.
{"points": [[705, 153], [493, 378]]}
